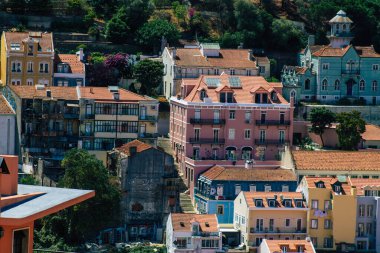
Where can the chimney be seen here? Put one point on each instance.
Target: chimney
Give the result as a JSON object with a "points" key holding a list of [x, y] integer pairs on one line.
{"points": [[132, 150], [80, 54], [311, 40], [250, 55], [48, 93], [91, 91]]}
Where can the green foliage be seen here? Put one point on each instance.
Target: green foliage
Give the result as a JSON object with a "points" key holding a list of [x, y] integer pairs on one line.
{"points": [[150, 33], [199, 25], [97, 58], [29, 180], [83, 46], [344, 101], [321, 118], [149, 73], [180, 11], [273, 66], [117, 29], [77, 7], [104, 8], [138, 12], [351, 126], [231, 40], [272, 79], [286, 36]]}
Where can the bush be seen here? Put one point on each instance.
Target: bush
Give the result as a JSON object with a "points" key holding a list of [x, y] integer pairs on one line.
{"points": [[343, 101]]}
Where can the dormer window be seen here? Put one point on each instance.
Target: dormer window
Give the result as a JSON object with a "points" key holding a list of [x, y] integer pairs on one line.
{"points": [[226, 97], [337, 188], [299, 203], [320, 185], [202, 94], [195, 228], [287, 203], [272, 203], [258, 202], [274, 96], [30, 49], [265, 98]]}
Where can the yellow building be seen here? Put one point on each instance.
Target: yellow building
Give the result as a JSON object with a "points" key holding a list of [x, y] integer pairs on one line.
{"points": [[111, 116], [26, 58], [269, 215], [331, 221]]}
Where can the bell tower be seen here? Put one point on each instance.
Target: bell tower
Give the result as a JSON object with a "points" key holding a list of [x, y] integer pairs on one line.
{"points": [[340, 34]]}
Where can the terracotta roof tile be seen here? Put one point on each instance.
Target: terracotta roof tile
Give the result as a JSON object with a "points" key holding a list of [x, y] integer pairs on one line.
{"points": [[76, 66], [241, 94], [367, 51], [372, 133], [337, 160], [241, 174], [229, 58], [5, 108], [365, 183], [182, 222], [250, 197], [45, 40], [140, 146], [328, 51], [328, 183], [276, 245], [30, 92], [103, 93]]}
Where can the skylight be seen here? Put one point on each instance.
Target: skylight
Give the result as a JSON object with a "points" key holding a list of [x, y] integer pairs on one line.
{"points": [[234, 81], [212, 82]]}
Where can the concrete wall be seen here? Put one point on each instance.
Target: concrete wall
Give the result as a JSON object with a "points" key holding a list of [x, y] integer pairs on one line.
{"points": [[8, 134]]}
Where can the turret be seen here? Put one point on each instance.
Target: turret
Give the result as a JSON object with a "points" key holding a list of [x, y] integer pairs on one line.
{"points": [[340, 34]]}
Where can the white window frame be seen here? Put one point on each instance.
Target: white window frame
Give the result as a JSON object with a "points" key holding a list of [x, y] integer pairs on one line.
{"points": [[231, 134], [247, 134]]}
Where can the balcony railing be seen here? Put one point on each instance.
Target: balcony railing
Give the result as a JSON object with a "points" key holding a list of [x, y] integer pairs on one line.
{"points": [[350, 72], [205, 234], [206, 141], [270, 142], [207, 121], [86, 133], [147, 118], [148, 135], [71, 115], [273, 122], [89, 116], [277, 230]]}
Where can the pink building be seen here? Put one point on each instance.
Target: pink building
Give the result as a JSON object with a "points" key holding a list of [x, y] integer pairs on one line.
{"points": [[227, 120]]}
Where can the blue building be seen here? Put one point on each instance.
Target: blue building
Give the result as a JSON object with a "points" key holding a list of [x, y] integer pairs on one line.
{"points": [[69, 70], [218, 187], [328, 73]]}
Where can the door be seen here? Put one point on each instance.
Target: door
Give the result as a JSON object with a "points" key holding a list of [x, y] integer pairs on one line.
{"points": [[88, 129], [142, 130], [349, 87], [143, 112], [259, 225], [216, 135], [88, 109], [216, 116], [299, 225]]}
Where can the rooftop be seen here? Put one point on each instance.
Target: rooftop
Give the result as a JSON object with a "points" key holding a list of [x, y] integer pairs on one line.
{"points": [[182, 222], [329, 183], [328, 51], [45, 40], [242, 87], [362, 184], [40, 91], [341, 17], [337, 160], [279, 198], [372, 133], [139, 145], [5, 108], [76, 66], [242, 174], [292, 245], [104, 93]]}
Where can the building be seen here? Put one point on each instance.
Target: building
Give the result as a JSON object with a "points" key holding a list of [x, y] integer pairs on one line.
{"points": [[47, 120], [23, 204], [279, 246], [111, 116], [226, 120], [368, 211], [331, 221], [270, 215], [356, 164], [27, 58], [193, 233], [218, 187], [371, 137], [149, 182], [8, 126], [330, 72], [69, 70], [208, 59]]}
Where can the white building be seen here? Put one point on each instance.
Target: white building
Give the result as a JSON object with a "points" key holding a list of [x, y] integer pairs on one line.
{"points": [[8, 128], [192, 233]]}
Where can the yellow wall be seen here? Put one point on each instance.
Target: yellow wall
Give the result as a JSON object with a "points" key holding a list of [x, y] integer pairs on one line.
{"points": [[3, 61], [100, 155], [344, 213]]}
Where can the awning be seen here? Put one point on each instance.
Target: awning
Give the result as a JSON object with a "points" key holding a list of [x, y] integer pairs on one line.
{"points": [[72, 105]]}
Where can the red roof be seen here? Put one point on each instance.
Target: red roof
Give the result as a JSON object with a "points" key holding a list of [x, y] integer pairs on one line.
{"points": [[45, 40], [291, 245], [250, 197], [76, 66], [103, 93], [5, 108], [140, 146], [182, 222], [365, 183]]}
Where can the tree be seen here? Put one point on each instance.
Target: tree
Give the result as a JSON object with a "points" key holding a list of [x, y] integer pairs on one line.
{"points": [[321, 118], [120, 62], [231, 40], [151, 33], [117, 29], [138, 12], [149, 73], [100, 75], [180, 11], [351, 126], [77, 7], [104, 8], [286, 36], [199, 25]]}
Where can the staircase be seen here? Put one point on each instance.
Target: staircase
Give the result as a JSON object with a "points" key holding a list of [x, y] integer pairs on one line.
{"points": [[185, 203]]}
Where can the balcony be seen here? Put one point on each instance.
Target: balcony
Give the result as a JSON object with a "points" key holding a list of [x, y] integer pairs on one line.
{"points": [[206, 141], [350, 72], [273, 122], [89, 116], [277, 230], [147, 118], [148, 135], [71, 115], [207, 121], [270, 142], [86, 133], [205, 234]]}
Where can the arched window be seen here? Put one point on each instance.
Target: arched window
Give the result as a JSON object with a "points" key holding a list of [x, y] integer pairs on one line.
{"points": [[324, 84], [361, 85], [374, 85], [246, 153], [350, 66], [307, 84], [337, 85], [344, 27], [230, 153], [293, 94]]}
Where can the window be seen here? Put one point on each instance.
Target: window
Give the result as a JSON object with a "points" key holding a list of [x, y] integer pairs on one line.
{"points": [[44, 67], [299, 203], [29, 82], [314, 240], [232, 114], [325, 66], [16, 66], [30, 67], [327, 205], [360, 229], [202, 94], [262, 135], [375, 67], [361, 85], [361, 210], [220, 209], [287, 203], [248, 72], [287, 222], [314, 204], [197, 134], [281, 137], [216, 135], [314, 223], [247, 133], [197, 114], [181, 243], [272, 203], [237, 189], [324, 84], [267, 188], [369, 229], [252, 188], [285, 188], [307, 84], [262, 69], [327, 242], [374, 86], [327, 224], [15, 46], [369, 210], [361, 245], [16, 82], [258, 202], [247, 117], [232, 72], [337, 85], [231, 134]]}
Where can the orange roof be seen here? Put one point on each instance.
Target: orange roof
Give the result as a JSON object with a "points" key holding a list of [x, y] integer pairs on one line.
{"points": [[140, 146], [182, 222], [328, 183], [278, 196], [76, 66], [372, 133], [242, 94], [228, 58], [328, 51], [241, 174], [30, 92], [312, 48], [367, 51], [277, 245], [362, 183], [103, 93], [5, 108], [45, 40], [337, 160]]}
